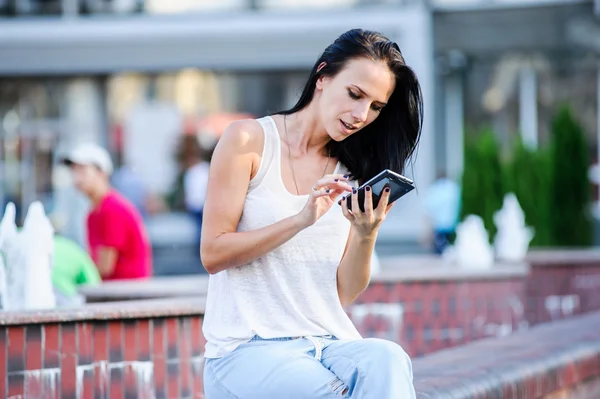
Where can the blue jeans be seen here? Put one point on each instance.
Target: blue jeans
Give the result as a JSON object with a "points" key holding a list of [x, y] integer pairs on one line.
{"points": [[311, 368]]}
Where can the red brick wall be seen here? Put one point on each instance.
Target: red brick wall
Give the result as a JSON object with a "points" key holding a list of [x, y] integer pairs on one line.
{"points": [[161, 357], [145, 358], [426, 316], [562, 290]]}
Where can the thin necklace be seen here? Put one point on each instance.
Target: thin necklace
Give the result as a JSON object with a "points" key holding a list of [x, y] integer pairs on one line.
{"points": [[290, 157]]}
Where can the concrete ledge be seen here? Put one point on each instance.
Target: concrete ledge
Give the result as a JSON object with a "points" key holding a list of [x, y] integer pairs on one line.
{"points": [[151, 308], [155, 287], [433, 268], [547, 361], [576, 257], [394, 269]]}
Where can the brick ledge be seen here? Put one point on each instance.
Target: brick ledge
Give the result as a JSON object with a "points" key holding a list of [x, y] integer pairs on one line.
{"points": [[531, 364], [150, 308]]}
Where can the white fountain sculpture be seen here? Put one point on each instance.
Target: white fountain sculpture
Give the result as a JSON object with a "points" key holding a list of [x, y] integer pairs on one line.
{"points": [[37, 228], [513, 236], [8, 231], [28, 261], [472, 249]]}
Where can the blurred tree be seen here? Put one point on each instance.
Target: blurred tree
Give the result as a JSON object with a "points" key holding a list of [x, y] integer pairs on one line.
{"points": [[482, 181], [527, 175], [570, 190]]}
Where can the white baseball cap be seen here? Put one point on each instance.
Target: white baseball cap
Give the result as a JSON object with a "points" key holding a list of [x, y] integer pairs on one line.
{"points": [[90, 154]]}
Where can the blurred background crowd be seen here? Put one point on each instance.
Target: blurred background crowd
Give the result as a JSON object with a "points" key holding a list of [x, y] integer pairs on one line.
{"points": [[511, 88]]}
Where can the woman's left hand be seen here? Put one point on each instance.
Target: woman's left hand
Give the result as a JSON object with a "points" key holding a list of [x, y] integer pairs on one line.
{"points": [[367, 223]]}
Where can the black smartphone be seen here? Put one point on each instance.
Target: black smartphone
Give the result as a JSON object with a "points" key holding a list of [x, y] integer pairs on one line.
{"points": [[400, 185]]}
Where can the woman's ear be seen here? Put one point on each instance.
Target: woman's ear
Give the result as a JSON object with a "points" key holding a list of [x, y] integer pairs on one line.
{"points": [[319, 85]]}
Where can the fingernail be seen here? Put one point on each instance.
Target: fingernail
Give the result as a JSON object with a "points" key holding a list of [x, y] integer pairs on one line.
{"points": [[346, 176], [328, 190], [337, 180], [387, 189], [340, 202], [353, 191], [368, 188]]}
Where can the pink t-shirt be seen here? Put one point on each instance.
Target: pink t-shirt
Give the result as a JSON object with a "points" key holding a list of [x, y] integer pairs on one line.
{"points": [[116, 223]]}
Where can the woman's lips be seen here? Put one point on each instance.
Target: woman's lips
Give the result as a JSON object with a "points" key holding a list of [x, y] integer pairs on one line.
{"points": [[347, 127]]}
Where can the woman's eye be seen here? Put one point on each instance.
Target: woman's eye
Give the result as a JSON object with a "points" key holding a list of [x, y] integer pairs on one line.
{"points": [[353, 95], [376, 108]]}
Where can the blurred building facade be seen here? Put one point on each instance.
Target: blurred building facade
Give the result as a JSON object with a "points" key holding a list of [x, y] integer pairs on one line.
{"points": [[135, 74]]}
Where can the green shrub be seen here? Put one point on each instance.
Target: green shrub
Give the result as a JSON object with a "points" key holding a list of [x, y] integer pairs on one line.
{"points": [[527, 175], [551, 183], [482, 188], [569, 196]]}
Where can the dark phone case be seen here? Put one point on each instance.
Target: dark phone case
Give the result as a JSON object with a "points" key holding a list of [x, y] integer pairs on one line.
{"points": [[399, 186]]}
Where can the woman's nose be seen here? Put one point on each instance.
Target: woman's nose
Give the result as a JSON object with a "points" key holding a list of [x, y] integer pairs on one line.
{"points": [[360, 113]]}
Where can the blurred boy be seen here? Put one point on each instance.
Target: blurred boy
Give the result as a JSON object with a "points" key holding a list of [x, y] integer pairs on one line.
{"points": [[117, 239]]}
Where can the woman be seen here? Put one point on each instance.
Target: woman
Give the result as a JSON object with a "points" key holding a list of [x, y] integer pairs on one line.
{"points": [[284, 257]]}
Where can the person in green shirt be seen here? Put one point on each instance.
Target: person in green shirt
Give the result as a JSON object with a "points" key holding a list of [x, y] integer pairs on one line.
{"points": [[72, 267]]}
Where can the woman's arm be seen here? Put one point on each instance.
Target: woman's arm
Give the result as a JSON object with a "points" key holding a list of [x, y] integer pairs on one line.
{"points": [[354, 271], [235, 161]]}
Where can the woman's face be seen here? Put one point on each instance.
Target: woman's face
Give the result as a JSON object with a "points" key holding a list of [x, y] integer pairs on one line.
{"points": [[354, 97]]}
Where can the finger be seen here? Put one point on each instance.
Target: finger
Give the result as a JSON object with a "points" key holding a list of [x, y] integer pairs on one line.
{"points": [[321, 193], [368, 202], [333, 178], [338, 176], [334, 193], [338, 185], [355, 207], [345, 210], [383, 202]]}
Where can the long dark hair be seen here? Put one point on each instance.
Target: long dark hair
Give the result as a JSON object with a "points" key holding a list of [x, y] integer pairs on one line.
{"points": [[390, 140]]}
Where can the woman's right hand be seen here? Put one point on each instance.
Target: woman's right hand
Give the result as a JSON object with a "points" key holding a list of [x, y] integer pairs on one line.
{"points": [[323, 196]]}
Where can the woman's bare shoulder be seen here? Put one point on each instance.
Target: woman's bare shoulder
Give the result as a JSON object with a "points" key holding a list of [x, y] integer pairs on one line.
{"points": [[241, 146], [245, 136]]}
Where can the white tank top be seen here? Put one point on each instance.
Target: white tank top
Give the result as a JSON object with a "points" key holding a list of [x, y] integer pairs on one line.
{"points": [[292, 290]]}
